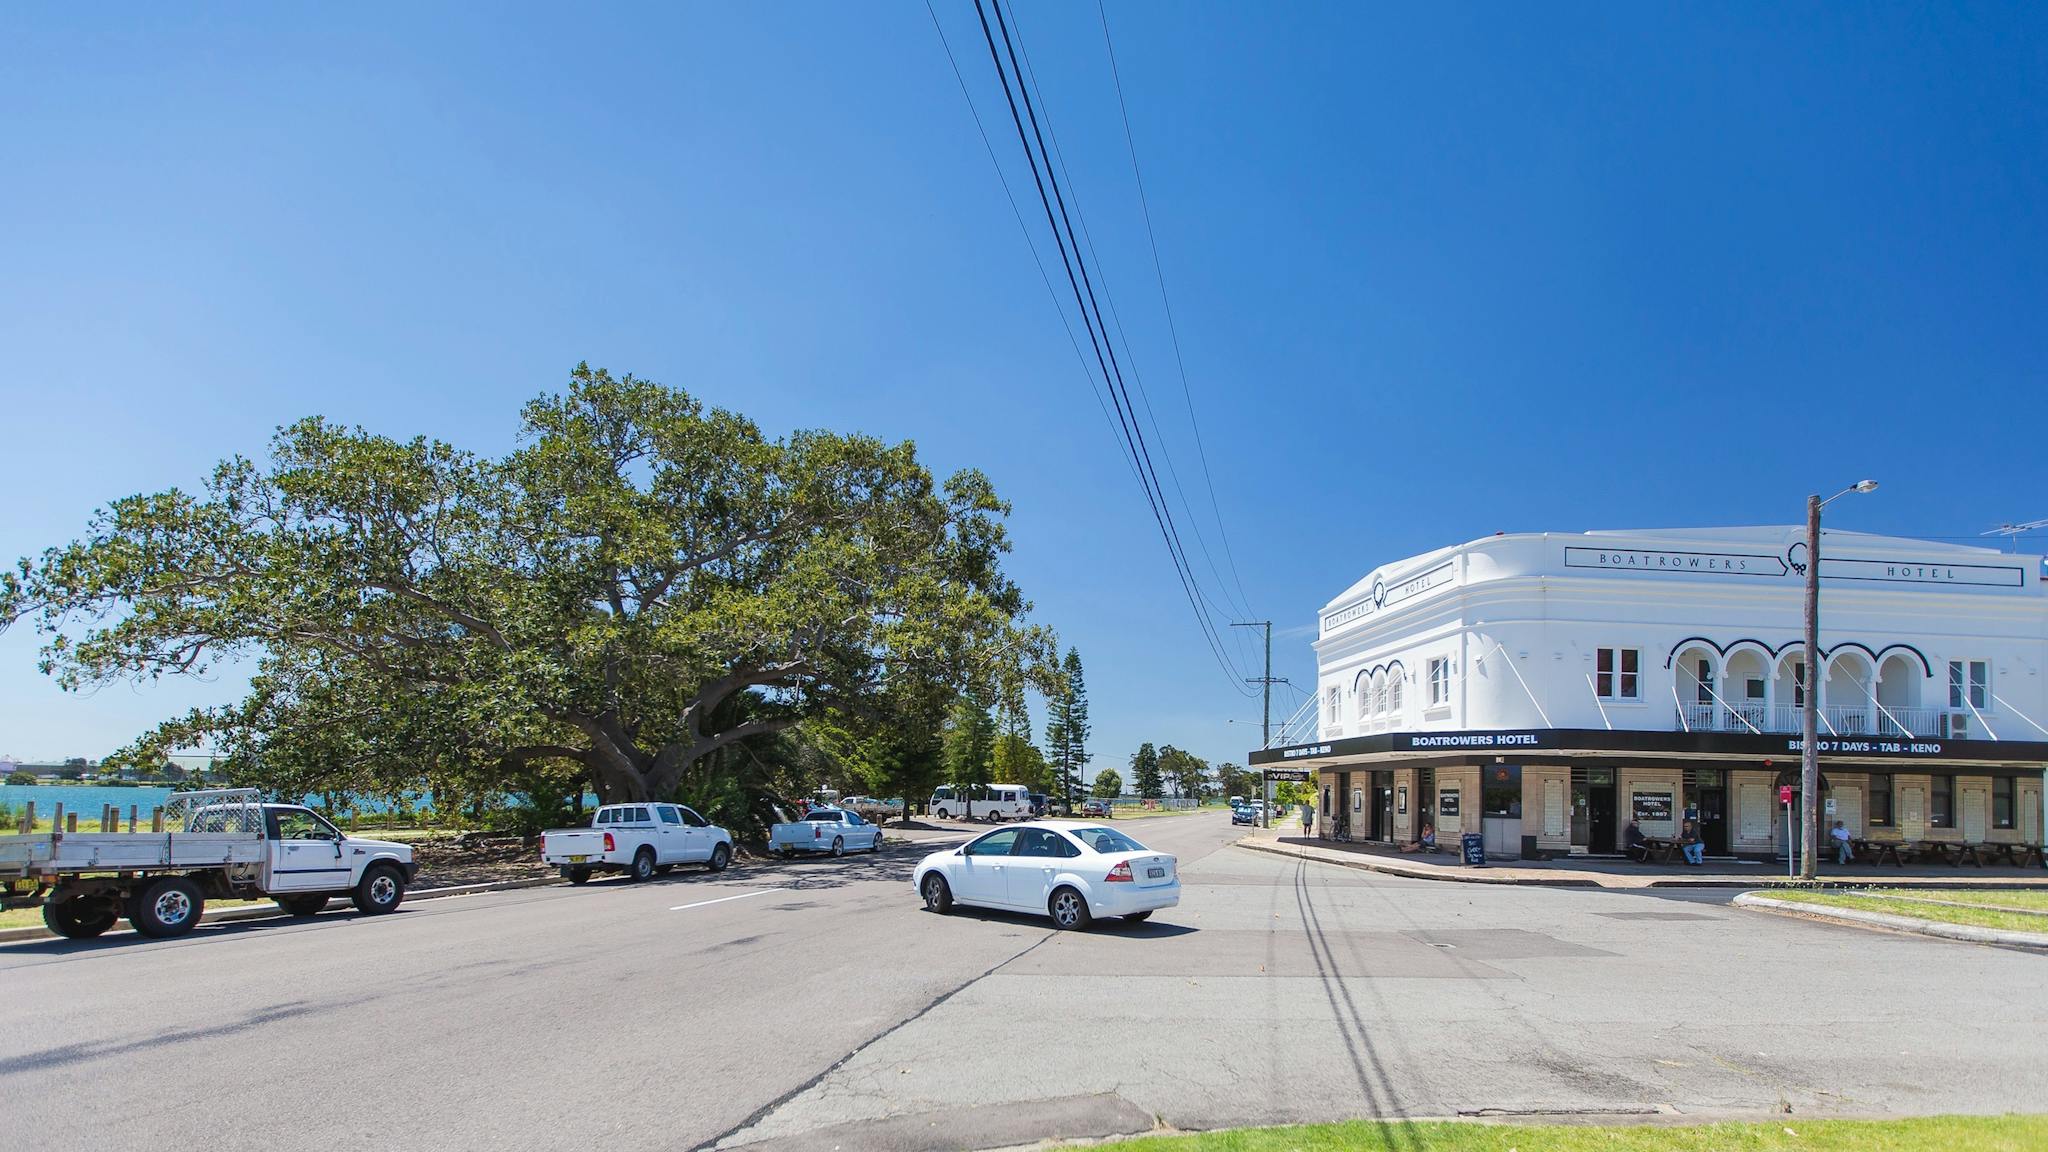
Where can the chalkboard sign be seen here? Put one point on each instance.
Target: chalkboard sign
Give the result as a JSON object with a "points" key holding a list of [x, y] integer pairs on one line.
{"points": [[1472, 846], [1652, 807], [1447, 803]]}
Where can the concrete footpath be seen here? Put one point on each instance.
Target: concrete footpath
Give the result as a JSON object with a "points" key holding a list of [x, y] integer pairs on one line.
{"points": [[1287, 840]]}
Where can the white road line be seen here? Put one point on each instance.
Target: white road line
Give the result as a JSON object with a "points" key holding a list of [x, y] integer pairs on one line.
{"points": [[723, 899]]}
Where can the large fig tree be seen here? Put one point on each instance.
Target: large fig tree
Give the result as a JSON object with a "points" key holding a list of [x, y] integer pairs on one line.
{"points": [[600, 598]]}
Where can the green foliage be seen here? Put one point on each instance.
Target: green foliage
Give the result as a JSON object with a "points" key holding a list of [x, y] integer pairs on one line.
{"points": [[1066, 727], [1235, 780], [1145, 772], [21, 778], [1108, 785], [1184, 772], [970, 741], [638, 594]]}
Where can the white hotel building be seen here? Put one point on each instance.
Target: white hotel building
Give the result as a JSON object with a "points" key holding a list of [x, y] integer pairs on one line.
{"points": [[1546, 688]]}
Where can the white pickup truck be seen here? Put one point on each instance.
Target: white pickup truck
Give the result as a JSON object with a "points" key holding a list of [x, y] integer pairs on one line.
{"points": [[833, 830], [637, 839], [220, 844]]}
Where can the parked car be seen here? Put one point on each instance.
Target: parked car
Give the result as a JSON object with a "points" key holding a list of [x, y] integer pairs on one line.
{"points": [[993, 802], [637, 839], [833, 830], [219, 844], [1071, 871], [1243, 814], [1097, 809]]}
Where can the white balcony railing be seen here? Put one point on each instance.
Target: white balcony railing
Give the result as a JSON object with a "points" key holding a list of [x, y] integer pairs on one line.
{"points": [[1841, 720]]}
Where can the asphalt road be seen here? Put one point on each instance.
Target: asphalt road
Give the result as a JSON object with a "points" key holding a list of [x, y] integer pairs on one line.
{"points": [[815, 1004]]}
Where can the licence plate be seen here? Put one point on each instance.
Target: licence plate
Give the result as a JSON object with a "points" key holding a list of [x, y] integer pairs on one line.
{"points": [[578, 859], [1155, 873]]}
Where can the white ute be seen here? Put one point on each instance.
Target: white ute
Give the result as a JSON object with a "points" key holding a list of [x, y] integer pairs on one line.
{"points": [[637, 839], [833, 830], [218, 844]]}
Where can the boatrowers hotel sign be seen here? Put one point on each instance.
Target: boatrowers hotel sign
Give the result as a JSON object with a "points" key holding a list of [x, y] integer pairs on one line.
{"points": [[1385, 595], [1793, 563]]}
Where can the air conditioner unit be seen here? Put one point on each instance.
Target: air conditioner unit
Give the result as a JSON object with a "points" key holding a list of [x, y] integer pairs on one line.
{"points": [[1958, 726]]}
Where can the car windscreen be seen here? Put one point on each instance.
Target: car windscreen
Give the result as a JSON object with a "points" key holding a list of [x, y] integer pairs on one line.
{"points": [[1107, 840]]}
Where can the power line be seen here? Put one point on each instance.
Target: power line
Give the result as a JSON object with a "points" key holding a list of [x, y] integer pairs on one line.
{"points": [[1098, 333], [1172, 328], [1025, 230], [1227, 611]]}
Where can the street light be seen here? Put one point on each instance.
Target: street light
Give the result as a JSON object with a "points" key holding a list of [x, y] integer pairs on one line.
{"points": [[1809, 718]]}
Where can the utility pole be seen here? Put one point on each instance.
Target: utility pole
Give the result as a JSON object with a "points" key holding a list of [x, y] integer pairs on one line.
{"points": [[1809, 747], [1265, 684]]}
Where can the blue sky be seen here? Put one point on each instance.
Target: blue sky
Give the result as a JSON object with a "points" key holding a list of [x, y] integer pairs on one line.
{"points": [[1437, 270]]}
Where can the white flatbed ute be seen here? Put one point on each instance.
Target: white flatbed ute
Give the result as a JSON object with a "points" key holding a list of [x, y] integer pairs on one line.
{"points": [[637, 839], [220, 844], [833, 830]]}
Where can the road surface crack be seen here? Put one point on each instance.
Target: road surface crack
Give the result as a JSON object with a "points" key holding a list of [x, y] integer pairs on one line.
{"points": [[762, 1113]]}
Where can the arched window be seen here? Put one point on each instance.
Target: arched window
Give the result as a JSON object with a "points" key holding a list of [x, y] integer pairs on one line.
{"points": [[1394, 692], [1379, 694]]}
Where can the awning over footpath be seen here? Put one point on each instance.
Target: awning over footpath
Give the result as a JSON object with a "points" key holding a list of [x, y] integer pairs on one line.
{"points": [[1566, 745]]}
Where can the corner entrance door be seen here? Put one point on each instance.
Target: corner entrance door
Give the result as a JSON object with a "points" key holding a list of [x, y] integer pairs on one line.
{"points": [[1713, 804], [1599, 818], [1386, 809]]}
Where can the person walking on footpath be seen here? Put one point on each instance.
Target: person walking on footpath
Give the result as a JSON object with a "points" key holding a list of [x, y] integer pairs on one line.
{"points": [[1308, 821]]}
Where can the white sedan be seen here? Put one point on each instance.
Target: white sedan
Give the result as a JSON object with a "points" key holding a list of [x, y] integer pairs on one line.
{"points": [[1069, 870]]}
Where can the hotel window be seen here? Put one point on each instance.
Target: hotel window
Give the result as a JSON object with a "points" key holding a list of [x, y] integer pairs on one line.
{"points": [[1616, 674], [1880, 804], [2001, 802], [1702, 691], [1941, 805], [1973, 677], [1333, 706], [1753, 688], [1799, 683], [1379, 695], [1394, 691], [1439, 681]]}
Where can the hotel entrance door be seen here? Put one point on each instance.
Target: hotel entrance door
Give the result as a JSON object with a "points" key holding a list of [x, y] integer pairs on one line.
{"points": [[1593, 810]]}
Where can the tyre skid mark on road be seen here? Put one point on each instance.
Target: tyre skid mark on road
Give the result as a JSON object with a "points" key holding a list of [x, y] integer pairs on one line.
{"points": [[763, 1112]]}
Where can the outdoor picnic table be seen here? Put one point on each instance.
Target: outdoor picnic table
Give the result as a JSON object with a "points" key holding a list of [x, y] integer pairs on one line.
{"points": [[1877, 852], [1661, 847], [1941, 852]]}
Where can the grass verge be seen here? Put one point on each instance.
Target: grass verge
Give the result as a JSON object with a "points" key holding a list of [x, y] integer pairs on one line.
{"points": [[1913, 1134], [1920, 905]]}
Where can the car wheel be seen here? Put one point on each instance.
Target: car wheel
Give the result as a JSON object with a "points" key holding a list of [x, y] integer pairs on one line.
{"points": [[1138, 917], [875, 845], [302, 906], [938, 895], [839, 845], [577, 875], [80, 918], [643, 865], [663, 869], [720, 857], [381, 890], [941, 814], [1069, 911], [169, 907]]}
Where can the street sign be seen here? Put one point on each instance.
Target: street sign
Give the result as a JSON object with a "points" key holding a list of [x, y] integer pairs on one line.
{"points": [[1784, 793], [1298, 775]]}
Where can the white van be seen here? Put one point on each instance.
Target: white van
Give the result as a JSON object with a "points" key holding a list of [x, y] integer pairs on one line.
{"points": [[992, 802]]}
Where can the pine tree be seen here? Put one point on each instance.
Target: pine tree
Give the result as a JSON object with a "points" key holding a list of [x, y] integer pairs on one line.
{"points": [[1145, 772], [1066, 729], [970, 743]]}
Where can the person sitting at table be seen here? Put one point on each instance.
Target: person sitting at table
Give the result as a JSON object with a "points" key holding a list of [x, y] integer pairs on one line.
{"points": [[1840, 835], [1689, 843], [1632, 843], [1426, 844]]}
